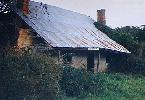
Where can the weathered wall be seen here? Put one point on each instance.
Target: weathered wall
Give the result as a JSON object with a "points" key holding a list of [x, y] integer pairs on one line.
{"points": [[96, 64], [24, 38], [79, 61], [102, 65]]}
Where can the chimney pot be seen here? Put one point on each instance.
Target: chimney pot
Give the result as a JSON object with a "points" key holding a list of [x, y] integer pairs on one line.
{"points": [[101, 16], [25, 7]]}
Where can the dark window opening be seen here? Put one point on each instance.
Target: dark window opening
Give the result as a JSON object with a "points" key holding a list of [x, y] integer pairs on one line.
{"points": [[90, 61]]}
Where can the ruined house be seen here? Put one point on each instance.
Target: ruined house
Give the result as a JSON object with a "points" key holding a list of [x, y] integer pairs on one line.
{"points": [[67, 34]]}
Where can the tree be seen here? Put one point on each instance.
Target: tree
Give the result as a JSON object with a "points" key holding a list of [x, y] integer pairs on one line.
{"points": [[141, 40], [104, 28], [26, 76], [6, 6], [7, 24]]}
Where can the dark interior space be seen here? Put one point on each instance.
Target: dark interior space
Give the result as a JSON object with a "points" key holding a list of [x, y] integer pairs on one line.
{"points": [[90, 61]]}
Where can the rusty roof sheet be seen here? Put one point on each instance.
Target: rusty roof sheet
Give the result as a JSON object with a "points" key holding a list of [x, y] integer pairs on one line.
{"points": [[64, 28]]}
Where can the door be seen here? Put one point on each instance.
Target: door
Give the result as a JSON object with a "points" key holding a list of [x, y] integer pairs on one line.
{"points": [[90, 61]]}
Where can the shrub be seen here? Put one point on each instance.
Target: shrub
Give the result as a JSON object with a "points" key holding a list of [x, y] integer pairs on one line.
{"points": [[76, 82], [117, 62], [127, 64], [136, 65], [72, 81], [30, 77], [94, 83], [116, 86]]}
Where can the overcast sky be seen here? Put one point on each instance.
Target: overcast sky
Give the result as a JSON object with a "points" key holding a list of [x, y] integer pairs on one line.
{"points": [[118, 12]]}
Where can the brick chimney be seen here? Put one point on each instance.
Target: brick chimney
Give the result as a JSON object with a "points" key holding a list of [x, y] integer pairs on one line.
{"points": [[25, 7], [101, 16]]}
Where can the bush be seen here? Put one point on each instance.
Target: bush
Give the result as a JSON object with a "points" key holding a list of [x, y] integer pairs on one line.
{"points": [[115, 86], [117, 62], [30, 77], [76, 82], [126, 64], [136, 65], [72, 82]]}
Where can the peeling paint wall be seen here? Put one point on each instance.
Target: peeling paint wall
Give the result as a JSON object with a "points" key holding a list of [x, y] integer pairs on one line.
{"points": [[96, 64], [102, 66], [79, 61], [24, 39]]}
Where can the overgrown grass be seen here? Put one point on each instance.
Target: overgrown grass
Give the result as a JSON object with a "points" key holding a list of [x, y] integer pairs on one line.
{"points": [[112, 86]]}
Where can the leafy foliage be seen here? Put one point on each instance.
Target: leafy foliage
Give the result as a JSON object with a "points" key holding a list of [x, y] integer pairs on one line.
{"points": [[105, 29], [7, 31], [132, 38], [30, 77], [76, 82], [6, 6], [7, 24], [101, 86]]}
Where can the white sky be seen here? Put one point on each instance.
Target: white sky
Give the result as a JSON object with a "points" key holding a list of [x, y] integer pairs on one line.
{"points": [[118, 12]]}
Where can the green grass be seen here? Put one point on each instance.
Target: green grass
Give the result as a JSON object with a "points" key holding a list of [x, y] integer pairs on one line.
{"points": [[117, 87]]}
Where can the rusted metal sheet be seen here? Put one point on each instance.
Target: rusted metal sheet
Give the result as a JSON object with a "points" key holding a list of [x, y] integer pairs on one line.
{"points": [[63, 28]]}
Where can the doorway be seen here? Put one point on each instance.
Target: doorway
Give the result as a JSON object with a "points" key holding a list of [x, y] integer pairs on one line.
{"points": [[90, 61]]}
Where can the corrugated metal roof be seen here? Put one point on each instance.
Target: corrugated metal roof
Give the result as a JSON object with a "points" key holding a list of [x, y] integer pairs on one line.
{"points": [[64, 28]]}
